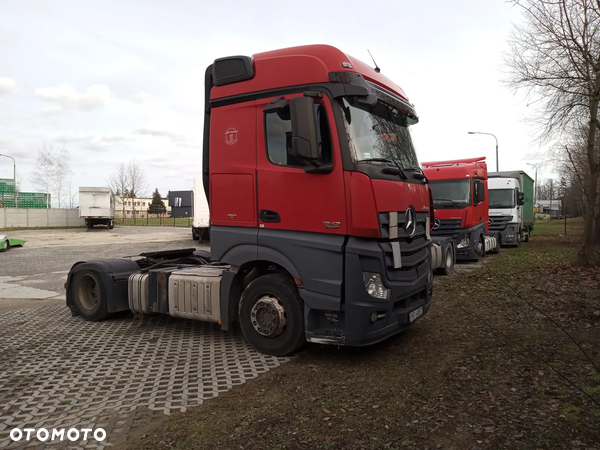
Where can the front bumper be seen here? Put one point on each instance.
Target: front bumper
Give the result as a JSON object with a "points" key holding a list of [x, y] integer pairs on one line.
{"points": [[510, 235], [410, 288]]}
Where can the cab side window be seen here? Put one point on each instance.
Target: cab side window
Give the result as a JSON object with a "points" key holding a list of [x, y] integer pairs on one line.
{"points": [[278, 129]]}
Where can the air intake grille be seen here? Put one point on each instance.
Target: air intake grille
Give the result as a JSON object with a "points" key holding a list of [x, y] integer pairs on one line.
{"points": [[232, 70]]}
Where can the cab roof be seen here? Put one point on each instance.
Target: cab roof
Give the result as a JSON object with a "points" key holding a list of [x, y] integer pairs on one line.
{"points": [[455, 169], [296, 66]]}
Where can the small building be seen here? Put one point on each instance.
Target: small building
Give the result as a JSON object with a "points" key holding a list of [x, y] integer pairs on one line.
{"points": [[137, 207], [181, 203], [553, 208]]}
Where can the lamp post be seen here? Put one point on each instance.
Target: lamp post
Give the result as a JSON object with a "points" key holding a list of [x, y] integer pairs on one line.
{"points": [[14, 166], [14, 176], [535, 190], [489, 134]]}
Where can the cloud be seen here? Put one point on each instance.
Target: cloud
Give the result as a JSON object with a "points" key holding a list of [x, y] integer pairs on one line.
{"points": [[91, 141], [94, 96], [7, 85], [141, 97], [177, 138]]}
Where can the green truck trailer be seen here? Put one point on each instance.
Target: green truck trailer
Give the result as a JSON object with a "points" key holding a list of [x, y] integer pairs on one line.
{"points": [[511, 205]]}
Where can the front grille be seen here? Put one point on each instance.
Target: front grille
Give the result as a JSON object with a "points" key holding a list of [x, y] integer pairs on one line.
{"points": [[414, 251], [499, 223], [448, 227]]}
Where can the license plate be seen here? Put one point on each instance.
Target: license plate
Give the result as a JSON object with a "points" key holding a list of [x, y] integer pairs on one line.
{"points": [[414, 315]]}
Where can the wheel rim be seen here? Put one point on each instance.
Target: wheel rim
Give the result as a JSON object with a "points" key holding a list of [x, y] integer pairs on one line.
{"points": [[268, 316], [449, 259], [480, 248], [4, 245], [89, 292]]}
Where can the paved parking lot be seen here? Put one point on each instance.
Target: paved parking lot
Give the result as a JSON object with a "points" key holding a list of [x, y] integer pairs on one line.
{"points": [[58, 371]]}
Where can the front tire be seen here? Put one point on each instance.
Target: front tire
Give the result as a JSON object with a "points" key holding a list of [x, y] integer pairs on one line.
{"points": [[4, 246], [449, 259], [271, 315], [89, 295]]}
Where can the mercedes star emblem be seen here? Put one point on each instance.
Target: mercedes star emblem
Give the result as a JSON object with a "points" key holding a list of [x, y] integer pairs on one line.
{"points": [[410, 221]]}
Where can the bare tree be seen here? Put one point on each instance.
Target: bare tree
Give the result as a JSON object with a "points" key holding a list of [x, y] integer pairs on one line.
{"points": [[51, 172], [129, 181], [555, 54], [137, 182], [119, 183]]}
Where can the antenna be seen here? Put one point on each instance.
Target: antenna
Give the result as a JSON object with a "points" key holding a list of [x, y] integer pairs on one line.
{"points": [[377, 69]]}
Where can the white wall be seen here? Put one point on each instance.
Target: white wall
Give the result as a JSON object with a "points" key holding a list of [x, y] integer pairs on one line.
{"points": [[29, 218]]}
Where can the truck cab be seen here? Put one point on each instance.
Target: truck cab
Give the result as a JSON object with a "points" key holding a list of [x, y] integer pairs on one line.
{"points": [[511, 206], [460, 199], [319, 212]]}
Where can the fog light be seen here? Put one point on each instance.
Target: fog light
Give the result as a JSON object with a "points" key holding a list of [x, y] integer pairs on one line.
{"points": [[510, 235], [374, 317], [464, 242], [374, 286]]}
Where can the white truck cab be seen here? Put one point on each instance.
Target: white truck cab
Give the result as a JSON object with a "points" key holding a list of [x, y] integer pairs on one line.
{"points": [[511, 206]]}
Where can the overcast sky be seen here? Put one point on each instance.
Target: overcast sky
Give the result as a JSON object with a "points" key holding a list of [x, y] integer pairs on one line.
{"points": [[121, 80]]}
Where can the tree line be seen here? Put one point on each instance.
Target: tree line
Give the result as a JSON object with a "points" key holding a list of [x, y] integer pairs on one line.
{"points": [[52, 174], [554, 55]]}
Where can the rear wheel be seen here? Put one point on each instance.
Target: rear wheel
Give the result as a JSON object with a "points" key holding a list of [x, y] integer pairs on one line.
{"points": [[111, 224], [271, 315], [88, 295], [449, 259], [88, 224]]}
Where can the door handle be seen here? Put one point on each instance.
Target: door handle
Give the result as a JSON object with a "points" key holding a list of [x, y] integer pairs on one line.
{"points": [[268, 216]]}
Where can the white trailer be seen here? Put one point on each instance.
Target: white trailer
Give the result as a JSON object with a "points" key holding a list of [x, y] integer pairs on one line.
{"points": [[201, 212], [97, 206]]}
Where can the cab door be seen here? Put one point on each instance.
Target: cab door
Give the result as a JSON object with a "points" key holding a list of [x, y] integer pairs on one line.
{"points": [[289, 198]]}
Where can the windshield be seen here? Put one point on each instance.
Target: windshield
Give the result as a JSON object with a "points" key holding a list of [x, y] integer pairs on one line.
{"points": [[451, 193], [378, 132], [502, 198]]}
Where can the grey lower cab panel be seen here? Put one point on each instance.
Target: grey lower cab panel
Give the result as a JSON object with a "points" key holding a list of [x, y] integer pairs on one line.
{"points": [[194, 293]]}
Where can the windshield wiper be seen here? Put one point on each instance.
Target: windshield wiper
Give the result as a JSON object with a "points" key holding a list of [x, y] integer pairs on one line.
{"points": [[386, 160], [419, 174], [445, 200]]}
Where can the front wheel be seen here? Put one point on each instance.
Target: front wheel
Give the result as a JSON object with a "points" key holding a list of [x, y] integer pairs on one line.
{"points": [[481, 247], [271, 315], [526, 238], [88, 295], [448, 259], [4, 245]]}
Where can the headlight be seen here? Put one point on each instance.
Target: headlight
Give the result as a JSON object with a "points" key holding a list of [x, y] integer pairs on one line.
{"points": [[374, 286], [464, 242]]}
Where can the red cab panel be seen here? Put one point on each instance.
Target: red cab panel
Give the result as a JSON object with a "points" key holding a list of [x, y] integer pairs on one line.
{"points": [[233, 165]]}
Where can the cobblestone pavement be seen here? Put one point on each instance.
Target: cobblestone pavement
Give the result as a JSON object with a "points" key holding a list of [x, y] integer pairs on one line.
{"points": [[58, 371]]}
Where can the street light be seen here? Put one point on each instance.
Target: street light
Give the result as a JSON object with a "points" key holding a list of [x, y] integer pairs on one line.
{"points": [[14, 166], [15, 178], [535, 190], [489, 134]]}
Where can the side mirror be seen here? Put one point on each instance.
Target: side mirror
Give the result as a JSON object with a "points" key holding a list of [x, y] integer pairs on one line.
{"points": [[305, 142], [520, 198], [479, 192]]}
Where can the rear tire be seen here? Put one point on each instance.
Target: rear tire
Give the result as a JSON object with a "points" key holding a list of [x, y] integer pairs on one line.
{"points": [[89, 295], [449, 259], [271, 315], [88, 224], [111, 224]]}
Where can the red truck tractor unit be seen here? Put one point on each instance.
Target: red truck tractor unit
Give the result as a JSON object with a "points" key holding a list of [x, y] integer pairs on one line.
{"points": [[460, 199], [319, 212]]}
